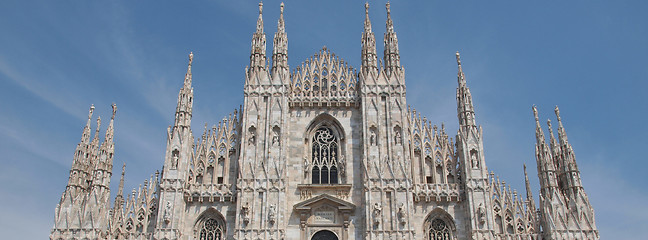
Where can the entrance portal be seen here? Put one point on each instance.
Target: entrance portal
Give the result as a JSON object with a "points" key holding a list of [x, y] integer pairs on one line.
{"points": [[324, 235]]}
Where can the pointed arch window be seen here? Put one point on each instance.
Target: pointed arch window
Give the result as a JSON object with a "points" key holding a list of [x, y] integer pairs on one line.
{"points": [[438, 230], [325, 152], [211, 230]]}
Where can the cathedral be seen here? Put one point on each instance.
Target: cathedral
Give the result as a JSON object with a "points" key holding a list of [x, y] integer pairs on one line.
{"points": [[320, 151]]}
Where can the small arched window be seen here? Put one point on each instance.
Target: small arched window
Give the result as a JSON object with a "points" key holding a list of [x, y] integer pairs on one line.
{"points": [[325, 156]]}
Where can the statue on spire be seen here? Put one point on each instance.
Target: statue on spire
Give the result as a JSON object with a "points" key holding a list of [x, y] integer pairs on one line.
{"points": [[114, 110]]}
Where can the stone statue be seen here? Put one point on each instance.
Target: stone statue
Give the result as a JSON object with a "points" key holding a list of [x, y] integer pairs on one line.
{"points": [[375, 214], [481, 213], [167, 212], [372, 138], [252, 138], [398, 138], [341, 165], [271, 213], [275, 139], [475, 162], [306, 166], [245, 211], [401, 213], [174, 160]]}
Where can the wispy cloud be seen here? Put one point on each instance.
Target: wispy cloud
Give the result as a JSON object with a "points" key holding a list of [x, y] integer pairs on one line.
{"points": [[34, 86]]}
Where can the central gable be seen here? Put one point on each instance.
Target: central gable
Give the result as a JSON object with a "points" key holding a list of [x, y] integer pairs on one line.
{"points": [[324, 80]]}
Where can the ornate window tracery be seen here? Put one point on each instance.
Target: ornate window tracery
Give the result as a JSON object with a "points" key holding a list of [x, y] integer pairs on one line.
{"points": [[324, 155], [438, 230], [211, 230]]}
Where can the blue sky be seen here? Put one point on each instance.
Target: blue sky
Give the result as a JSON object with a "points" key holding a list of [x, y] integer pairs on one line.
{"points": [[58, 57]]}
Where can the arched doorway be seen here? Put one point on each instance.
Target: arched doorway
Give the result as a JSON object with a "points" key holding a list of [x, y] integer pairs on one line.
{"points": [[324, 235]]}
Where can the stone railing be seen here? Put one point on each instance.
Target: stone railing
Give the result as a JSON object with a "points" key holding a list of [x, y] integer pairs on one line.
{"points": [[437, 192], [324, 99], [209, 192]]}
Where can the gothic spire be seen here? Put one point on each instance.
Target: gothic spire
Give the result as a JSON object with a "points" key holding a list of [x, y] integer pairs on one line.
{"points": [[392, 56], [562, 135], [85, 137], [368, 52], [465, 109], [280, 50], [555, 148], [546, 167], [119, 198], [188, 79], [94, 145], [567, 158], [529, 192], [185, 99], [540, 138], [258, 54], [108, 140]]}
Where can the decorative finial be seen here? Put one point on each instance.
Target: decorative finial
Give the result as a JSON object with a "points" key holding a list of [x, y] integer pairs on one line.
{"points": [[114, 109], [549, 124], [458, 58], [260, 8], [123, 169], [366, 8], [535, 113], [190, 57], [282, 6], [557, 113], [388, 10]]}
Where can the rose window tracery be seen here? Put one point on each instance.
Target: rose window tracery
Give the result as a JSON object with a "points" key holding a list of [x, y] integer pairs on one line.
{"points": [[438, 230], [211, 230]]}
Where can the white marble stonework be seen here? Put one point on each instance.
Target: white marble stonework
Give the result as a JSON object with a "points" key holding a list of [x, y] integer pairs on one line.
{"points": [[324, 151]]}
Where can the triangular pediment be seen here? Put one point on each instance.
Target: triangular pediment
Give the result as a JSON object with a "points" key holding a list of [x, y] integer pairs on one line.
{"points": [[324, 199]]}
